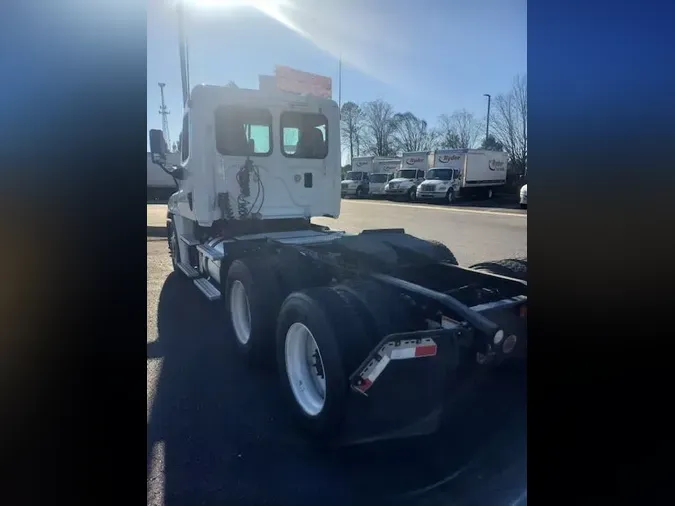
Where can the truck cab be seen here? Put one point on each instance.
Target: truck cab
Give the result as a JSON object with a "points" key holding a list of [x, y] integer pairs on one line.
{"points": [[355, 184], [404, 183], [253, 155], [440, 184], [378, 181]]}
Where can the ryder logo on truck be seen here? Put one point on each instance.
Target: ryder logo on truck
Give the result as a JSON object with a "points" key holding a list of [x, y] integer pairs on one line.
{"points": [[447, 158], [413, 161], [496, 165]]}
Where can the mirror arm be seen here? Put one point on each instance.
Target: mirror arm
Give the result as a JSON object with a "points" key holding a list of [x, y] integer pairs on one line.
{"points": [[176, 172]]}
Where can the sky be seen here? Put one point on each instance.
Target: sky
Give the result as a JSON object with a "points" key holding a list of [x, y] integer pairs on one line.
{"points": [[428, 57]]}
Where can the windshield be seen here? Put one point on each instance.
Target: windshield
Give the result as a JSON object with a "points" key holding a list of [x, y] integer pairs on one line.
{"points": [[379, 178], [406, 173], [444, 174], [354, 176]]}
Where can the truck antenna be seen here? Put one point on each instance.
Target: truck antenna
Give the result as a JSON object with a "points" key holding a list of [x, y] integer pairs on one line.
{"points": [[164, 112], [183, 52]]}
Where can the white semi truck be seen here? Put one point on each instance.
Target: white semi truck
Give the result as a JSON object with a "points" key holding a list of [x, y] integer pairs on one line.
{"points": [[458, 173], [374, 334], [413, 168]]}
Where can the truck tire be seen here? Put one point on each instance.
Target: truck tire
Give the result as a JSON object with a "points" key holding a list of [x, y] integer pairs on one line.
{"points": [[444, 253], [253, 298], [412, 194], [295, 273], [379, 309], [172, 239], [512, 267], [319, 337], [450, 197]]}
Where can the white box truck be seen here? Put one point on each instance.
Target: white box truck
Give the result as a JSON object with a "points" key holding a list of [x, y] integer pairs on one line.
{"points": [[357, 182], [404, 184], [383, 171], [463, 172]]}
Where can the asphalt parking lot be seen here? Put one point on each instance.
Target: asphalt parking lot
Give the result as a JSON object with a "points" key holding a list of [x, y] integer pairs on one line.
{"points": [[218, 433]]}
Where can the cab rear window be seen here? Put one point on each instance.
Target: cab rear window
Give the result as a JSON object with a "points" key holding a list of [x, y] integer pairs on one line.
{"points": [[304, 135], [243, 131]]}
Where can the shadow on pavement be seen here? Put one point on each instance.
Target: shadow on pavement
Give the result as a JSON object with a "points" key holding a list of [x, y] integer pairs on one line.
{"points": [[498, 202], [156, 231], [227, 438]]}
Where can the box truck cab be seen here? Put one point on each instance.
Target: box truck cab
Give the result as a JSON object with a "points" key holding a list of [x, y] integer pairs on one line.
{"points": [[383, 172], [356, 181], [412, 171], [356, 184], [440, 184]]}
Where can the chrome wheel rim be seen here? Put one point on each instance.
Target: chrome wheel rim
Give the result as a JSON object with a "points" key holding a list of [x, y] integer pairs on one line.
{"points": [[305, 369], [240, 312]]}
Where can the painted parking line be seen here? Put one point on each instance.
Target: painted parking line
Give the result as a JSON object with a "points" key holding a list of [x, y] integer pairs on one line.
{"points": [[433, 208]]}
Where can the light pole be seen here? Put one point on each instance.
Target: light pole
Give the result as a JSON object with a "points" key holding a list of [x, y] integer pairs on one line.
{"points": [[340, 84], [487, 124]]}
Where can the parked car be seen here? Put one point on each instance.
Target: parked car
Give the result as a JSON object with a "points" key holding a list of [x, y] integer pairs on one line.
{"points": [[523, 197]]}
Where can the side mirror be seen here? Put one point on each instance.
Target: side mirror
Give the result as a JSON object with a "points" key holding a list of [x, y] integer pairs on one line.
{"points": [[158, 148]]}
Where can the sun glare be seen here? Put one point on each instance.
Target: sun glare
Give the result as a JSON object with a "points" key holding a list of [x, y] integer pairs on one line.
{"points": [[271, 8]]}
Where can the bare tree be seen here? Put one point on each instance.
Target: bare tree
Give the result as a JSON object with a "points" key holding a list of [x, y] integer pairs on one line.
{"points": [[461, 130], [509, 123], [492, 144], [412, 133], [351, 124], [379, 127]]}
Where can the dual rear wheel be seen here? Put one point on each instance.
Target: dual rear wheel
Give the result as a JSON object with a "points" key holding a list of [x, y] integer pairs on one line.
{"points": [[318, 335]]}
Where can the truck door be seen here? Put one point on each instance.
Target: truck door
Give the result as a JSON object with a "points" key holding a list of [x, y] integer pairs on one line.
{"points": [[456, 180], [366, 183]]}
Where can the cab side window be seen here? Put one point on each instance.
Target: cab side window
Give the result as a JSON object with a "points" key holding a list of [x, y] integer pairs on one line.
{"points": [[185, 138]]}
